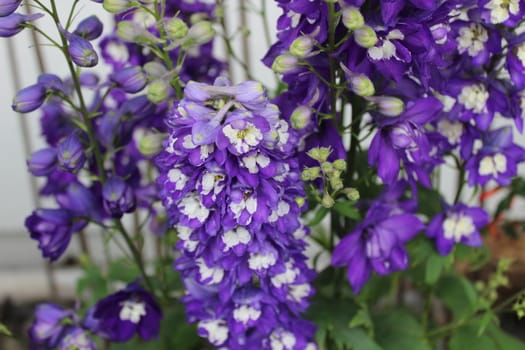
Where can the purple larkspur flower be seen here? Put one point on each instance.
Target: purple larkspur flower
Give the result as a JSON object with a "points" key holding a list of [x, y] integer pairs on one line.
{"points": [[7, 7], [377, 243], [14, 23], [42, 162], [130, 79], [118, 197], [47, 327], [52, 228], [457, 224], [29, 99], [70, 154], [132, 310], [82, 53], [89, 28], [496, 160]]}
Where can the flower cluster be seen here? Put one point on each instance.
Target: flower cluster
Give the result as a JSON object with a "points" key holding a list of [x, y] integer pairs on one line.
{"points": [[231, 187]]}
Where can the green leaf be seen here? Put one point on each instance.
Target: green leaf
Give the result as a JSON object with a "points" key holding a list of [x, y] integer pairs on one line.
{"points": [[458, 294], [433, 269], [398, 329], [347, 209], [123, 270], [4, 330], [319, 216], [358, 339], [429, 201], [503, 340], [466, 338], [484, 322], [362, 319]]}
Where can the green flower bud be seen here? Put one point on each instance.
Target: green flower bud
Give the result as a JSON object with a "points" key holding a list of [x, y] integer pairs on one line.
{"points": [[361, 85], [300, 201], [327, 201], [302, 46], [365, 37], [129, 31], [390, 106], [327, 168], [319, 153], [351, 193], [158, 91], [150, 144], [300, 118], [200, 33], [311, 173], [352, 18], [336, 183], [340, 164], [284, 63], [176, 28], [116, 6], [155, 70]]}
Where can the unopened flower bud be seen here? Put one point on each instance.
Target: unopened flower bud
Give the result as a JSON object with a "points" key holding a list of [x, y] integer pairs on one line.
{"points": [[42, 162], [14, 23], [81, 51], [90, 28], [129, 31], [310, 173], [150, 144], [365, 37], [30, 98], [284, 63], [250, 93], [302, 46], [361, 85], [176, 28], [340, 164], [390, 106], [116, 6], [300, 201], [319, 153], [70, 154], [130, 79], [158, 91], [301, 117], [336, 183], [327, 168], [352, 18], [200, 33], [155, 70], [118, 197], [327, 201], [7, 7], [351, 193]]}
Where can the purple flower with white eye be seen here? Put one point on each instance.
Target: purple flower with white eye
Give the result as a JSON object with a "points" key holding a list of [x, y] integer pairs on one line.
{"points": [[14, 23], [70, 154], [507, 12], [7, 7], [496, 160], [475, 41], [29, 99], [118, 197], [457, 224], [90, 28], [377, 243], [47, 328], [132, 310], [42, 162], [52, 228]]}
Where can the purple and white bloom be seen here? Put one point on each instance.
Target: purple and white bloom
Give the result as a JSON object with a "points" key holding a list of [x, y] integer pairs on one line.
{"points": [[457, 224], [377, 243], [132, 310], [76, 338], [496, 160], [52, 228]]}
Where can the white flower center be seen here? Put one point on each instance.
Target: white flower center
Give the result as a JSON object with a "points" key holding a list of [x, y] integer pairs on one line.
{"points": [[192, 207], [254, 162], [184, 233], [212, 275], [178, 178], [261, 261], [452, 130], [132, 311], [298, 292], [246, 313], [472, 39], [474, 97], [520, 53], [249, 204], [500, 10], [283, 208], [386, 50], [232, 238], [118, 51], [282, 340], [243, 139], [458, 226], [493, 165], [287, 277], [217, 331]]}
